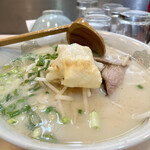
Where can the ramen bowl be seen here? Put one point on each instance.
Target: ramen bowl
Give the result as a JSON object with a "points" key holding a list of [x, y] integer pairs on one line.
{"points": [[139, 50]]}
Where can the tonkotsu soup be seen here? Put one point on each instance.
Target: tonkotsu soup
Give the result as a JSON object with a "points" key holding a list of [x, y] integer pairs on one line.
{"points": [[62, 95]]}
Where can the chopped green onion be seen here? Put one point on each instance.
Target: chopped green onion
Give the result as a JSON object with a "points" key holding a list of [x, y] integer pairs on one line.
{"points": [[34, 118], [37, 133], [2, 110], [49, 136], [10, 108], [16, 92], [17, 59], [48, 62], [1, 107], [35, 69], [14, 114], [49, 56], [20, 100], [54, 56], [41, 61], [18, 112], [3, 74], [46, 92], [80, 111], [55, 48], [12, 121], [20, 75], [31, 58], [65, 120], [28, 57], [45, 68], [49, 109], [31, 95], [35, 88], [25, 108], [14, 71], [31, 74], [28, 81], [140, 86], [30, 125], [8, 98], [94, 120], [6, 67], [38, 74]]}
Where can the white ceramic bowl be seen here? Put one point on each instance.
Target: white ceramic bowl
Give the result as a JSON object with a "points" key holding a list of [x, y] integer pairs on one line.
{"points": [[131, 46]]}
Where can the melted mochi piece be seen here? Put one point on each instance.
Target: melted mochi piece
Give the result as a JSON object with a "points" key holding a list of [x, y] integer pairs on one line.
{"points": [[75, 67]]}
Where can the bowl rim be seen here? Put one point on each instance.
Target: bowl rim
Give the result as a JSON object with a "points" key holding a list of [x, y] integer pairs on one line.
{"points": [[114, 144]]}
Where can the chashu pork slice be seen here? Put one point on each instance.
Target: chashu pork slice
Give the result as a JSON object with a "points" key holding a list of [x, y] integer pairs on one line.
{"points": [[75, 67]]}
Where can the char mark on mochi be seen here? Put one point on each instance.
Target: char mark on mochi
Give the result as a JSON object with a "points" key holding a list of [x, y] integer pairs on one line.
{"points": [[113, 76]]}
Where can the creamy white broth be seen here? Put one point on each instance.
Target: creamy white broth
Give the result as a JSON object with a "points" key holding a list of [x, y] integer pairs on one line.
{"points": [[115, 111]]}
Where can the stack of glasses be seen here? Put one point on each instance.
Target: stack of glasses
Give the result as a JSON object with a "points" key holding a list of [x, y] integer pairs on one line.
{"points": [[116, 18]]}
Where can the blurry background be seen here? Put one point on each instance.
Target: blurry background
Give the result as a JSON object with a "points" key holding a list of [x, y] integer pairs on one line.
{"points": [[13, 13]]}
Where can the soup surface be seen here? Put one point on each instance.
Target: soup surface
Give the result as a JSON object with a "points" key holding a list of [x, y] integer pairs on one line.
{"points": [[30, 104]]}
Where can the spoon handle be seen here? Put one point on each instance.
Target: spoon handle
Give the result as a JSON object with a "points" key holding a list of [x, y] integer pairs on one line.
{"points": [[33, 35]]}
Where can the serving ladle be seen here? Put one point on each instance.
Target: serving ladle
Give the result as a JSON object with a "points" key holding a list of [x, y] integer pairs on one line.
{"points": [[78, 32]]}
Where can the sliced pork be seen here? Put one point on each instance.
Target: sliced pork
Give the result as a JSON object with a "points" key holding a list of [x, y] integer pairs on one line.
{"points": [[113, 76]]}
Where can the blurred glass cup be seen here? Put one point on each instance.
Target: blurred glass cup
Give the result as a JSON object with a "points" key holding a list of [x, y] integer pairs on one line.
{"points": [[114, 13], [94, 10], [110, 6], [50, 19], [135, 24], [82, 5], [99, 21]]}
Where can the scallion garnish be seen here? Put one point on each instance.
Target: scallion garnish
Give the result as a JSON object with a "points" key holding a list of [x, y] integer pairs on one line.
{"points": [[41, 61], [65, 120], [20, 100], [55, 48], [49, 56], [35, 88], [94, 120], [49, 109], [46, 92], [140, 86], [48, 62], [80, 111], [8, 98], [12, 121], [14, 114], [16, 92], [31, 74]]}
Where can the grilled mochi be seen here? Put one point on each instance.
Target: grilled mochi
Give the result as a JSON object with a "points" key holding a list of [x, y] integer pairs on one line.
{"points": [[75, 67]]}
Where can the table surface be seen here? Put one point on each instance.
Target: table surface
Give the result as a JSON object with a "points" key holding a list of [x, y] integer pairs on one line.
{"points": [[7, 146]]}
